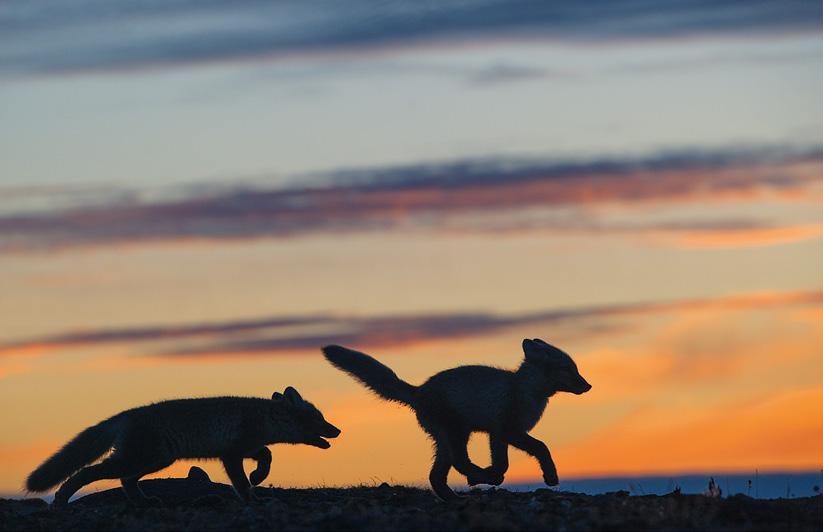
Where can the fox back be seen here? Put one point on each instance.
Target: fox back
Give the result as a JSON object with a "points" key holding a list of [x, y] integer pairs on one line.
{"points": [[474, 397], [209, 427]]}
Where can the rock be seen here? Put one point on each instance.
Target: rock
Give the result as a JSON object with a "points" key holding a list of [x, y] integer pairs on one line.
{"points": [[198, 475], [31, 506], [208, 501], [533, 504]]}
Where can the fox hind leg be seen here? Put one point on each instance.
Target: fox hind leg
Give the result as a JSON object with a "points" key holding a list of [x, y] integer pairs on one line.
{"points": [[135, 494], [440, 471], [460, 458], [263, 458], [438, 475], [133, 491], [113, 467]]}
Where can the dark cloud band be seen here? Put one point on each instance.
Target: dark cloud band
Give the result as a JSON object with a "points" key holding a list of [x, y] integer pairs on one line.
{"points": [[309, 333], [423, 196], [105, 35]]}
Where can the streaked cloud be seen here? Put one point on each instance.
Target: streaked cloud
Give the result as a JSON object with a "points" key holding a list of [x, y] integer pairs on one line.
{"points": [[290, 334], [509, 72], [748, 237], [98, 35], [461, 195]]}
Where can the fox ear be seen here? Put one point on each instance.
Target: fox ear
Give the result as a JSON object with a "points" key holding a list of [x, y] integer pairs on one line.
{"points": [[526, 343], [547, 352], [292, 395], [537, 351], [533, 351]]}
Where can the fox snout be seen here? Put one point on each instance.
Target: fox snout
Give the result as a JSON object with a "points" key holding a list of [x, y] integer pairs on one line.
{"points": [[581, 386], [327, 430], [330, 431]]}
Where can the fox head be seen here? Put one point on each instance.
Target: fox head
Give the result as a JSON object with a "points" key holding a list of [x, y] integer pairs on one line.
{"points": [[557, 367], [299, 421]]}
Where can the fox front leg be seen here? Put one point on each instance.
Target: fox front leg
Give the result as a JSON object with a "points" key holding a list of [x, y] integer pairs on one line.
{"points": [[538, 449], [263, 458], [500, 459]]}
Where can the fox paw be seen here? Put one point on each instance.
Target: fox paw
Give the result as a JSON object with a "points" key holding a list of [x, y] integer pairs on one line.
{"points": [[550, 478], [472, 480], [495, 479], [256, 477], [486, 477]]}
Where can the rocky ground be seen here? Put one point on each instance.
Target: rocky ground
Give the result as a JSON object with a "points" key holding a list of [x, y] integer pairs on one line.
{"points": [[196, 503]]}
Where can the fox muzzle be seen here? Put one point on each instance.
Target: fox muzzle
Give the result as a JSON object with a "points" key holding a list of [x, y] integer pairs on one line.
{"points": [[582, 387], [330, 431], [327, 431]]}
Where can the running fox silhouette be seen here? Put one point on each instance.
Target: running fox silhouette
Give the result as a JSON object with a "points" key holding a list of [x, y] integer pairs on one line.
{"points": [[454, 403], [149, 438]]}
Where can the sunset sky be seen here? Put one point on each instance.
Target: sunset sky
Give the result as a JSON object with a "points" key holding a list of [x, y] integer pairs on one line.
{"points": [[196, 196]]}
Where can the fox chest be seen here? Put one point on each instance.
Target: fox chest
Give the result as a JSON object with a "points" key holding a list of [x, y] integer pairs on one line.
{"points": [[527, 412]]}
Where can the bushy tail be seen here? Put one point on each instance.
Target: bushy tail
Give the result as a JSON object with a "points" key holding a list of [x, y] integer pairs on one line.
{"points": [[374, 375], [86, 447]]}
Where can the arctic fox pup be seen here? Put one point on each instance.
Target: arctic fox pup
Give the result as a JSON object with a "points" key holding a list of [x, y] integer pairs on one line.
{"points": [[454, 403], [149, 438]]}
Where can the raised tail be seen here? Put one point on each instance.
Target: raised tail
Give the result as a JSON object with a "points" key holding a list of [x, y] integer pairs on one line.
{"points": [[374, 375], [86, 447]]}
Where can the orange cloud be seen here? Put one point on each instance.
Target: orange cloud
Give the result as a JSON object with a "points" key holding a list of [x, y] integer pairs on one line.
{"points": [[18, 360], [9, 368], [767, 236]]}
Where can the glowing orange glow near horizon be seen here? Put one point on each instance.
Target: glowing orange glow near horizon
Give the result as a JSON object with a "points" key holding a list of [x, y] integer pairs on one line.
{"points": [[661, 403]]}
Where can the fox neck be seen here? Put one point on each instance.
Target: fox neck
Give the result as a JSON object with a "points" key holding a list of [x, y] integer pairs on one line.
{"points": [[532, 382], [533, 394]]}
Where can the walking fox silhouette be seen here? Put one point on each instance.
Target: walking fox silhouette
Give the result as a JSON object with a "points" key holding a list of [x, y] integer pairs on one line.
{"points": [[454, 403], [149, 438]]}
